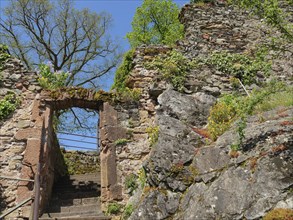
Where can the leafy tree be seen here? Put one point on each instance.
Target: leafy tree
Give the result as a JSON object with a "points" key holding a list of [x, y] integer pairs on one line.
{"points": [[71, 40], [155, 22], [75, 41]]}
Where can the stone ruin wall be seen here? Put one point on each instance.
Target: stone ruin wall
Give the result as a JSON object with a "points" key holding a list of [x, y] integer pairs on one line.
{"points": [[207, 29], [224, 28], [26, 138]]}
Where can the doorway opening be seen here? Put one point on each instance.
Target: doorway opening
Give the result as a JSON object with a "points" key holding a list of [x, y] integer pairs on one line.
{"points": [[77, 179]]}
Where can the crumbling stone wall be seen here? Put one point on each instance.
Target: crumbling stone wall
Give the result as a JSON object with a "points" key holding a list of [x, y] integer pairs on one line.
{"points": [[15, 78], [27, 138]]}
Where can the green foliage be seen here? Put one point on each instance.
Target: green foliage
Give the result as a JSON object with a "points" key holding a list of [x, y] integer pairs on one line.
{"points": [[114, 208], [8, 105], [127, 211], [279, 214], [153, 133], [155, 22], [130, 183], [72, 39], [242, 66], [121, 142], [123, 71], [173, 66], [3, 55], [49, 79], [233, 107]]}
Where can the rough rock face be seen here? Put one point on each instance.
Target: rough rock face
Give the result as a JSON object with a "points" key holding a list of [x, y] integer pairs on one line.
{"points": [[188, 175], [259, 179], [212, 184]]}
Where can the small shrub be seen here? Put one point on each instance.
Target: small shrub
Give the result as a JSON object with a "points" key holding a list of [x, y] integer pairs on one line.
{"points": [[130, 183], [279, 214], [127, 211], [153, 133], [114, 208], [8, 105], [221, 117]]}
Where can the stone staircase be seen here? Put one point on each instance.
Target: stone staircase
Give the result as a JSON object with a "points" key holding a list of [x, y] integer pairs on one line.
{"points": [[76, 197]]}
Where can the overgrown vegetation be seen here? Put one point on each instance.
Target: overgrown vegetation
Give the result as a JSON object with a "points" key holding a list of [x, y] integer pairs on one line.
{"points": [[232, 107], [244, 67], [123, 71], [279, 214], [153, 133], [173, 66], [48, 79], [8, 105], [114, 208], [130, 183]]}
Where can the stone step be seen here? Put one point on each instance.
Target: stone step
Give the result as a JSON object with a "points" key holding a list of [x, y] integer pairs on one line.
{"points": [[75, 208], [74, 201], [77, 217], [74, 195]]}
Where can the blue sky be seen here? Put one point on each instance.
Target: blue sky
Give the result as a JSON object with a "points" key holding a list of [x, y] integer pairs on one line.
{"points": [[122, 13]]}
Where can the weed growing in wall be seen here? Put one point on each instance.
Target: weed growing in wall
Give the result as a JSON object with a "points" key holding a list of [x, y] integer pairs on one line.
{"points": [[121, 142], [130, 183], [142, 178], [173, 66], [114, 208], [153, 133], [8, 105]]}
